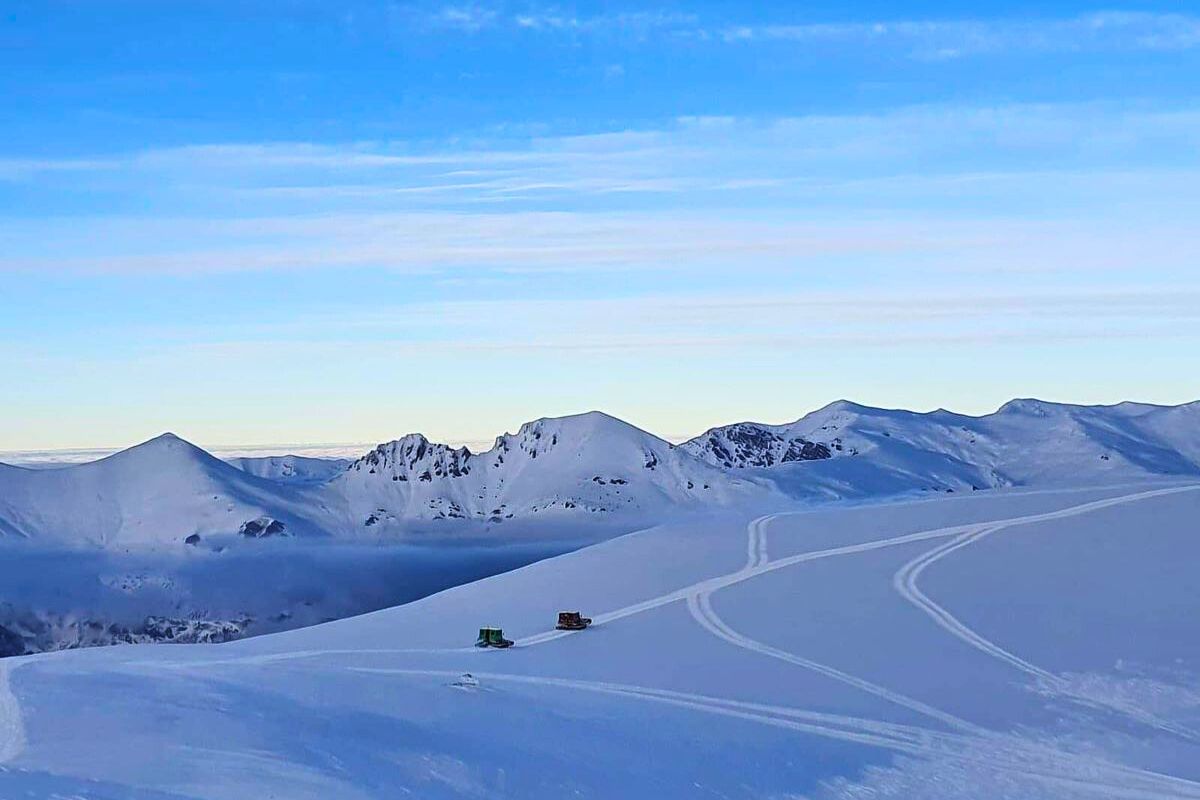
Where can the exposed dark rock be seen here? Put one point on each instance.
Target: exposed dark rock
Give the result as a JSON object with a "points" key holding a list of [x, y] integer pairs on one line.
{"points": [[11, 644], [803, 450], [750, 445], [415, 455], [263, 526], [194, 539]]}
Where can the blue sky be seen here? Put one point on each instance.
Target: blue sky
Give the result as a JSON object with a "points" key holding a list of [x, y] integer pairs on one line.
{"points": [[301, 221]]}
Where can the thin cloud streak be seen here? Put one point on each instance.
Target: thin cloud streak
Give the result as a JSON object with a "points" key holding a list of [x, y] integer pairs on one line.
{"points": [[517, 243], [738, 151], [686, 321], [927, 39], [947, 39], [799, 343]]}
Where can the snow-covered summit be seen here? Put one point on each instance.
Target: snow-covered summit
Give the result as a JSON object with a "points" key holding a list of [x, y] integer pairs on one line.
{"points": [[1025, 442], [595, 467], [162, 490], [413, 457], [590, 465]]}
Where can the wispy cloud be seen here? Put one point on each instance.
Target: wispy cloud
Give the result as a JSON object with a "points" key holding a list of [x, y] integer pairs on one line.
{"points": [[692, 154], [938, 39], [16, 169], [475, 17], [437, 242], [1024, 187], [716, 323], [471, 17], [489, 244], [928, 39]]}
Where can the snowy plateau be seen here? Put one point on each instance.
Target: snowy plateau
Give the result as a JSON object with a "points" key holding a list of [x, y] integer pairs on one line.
{"points": [[864, 603]]}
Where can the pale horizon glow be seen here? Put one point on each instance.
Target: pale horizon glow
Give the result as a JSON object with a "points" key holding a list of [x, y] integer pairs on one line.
{"points": [[317, 226]]}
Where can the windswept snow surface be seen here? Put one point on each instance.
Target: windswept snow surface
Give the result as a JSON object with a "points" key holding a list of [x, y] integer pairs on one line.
{"points": [[1008, 644]]}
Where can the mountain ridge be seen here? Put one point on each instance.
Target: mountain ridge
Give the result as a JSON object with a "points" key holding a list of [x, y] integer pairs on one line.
{"points": [[594, 467]]}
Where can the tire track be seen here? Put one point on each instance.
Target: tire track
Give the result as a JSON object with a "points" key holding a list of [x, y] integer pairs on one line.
{"points": [[1056, 767], [756, 541], [905, 583], [12, 724], [701, 610], [746, 573], [700, 607]]}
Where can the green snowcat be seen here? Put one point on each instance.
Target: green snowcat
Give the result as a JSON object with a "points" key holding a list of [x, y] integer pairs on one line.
{"points": [[492, 637]]}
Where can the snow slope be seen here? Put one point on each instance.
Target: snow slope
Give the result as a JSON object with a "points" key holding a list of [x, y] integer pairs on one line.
{"points": [[1025, 443], [1009, 644], [292, 468]]}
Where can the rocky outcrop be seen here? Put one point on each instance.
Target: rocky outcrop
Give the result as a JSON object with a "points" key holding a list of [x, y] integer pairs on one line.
{"points": [[413, 457], [261, 528], [750, 445], [11, 644], [27, 631]]}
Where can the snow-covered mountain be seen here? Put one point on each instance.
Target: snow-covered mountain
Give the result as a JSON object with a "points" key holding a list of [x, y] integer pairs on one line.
{"points": [[173, 531], [589, 467], [862, 450], [593, 468], [162, 491], [584, 466], [300, 470]]}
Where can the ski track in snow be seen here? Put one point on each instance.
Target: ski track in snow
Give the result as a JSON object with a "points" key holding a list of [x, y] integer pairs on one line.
{"points": [[905, 582], [1056, 767], [12, 726]]}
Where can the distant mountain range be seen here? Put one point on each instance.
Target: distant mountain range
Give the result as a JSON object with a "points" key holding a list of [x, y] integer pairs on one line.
{"points": [[858, 450], [590, 468]]}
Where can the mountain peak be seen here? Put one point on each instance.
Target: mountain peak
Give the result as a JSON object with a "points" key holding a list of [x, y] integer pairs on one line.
{"points": [[164, 442], [1027, 405], [580, 427], [844, 405]]}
